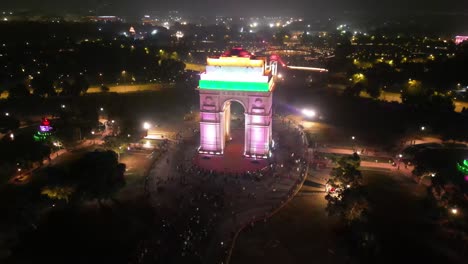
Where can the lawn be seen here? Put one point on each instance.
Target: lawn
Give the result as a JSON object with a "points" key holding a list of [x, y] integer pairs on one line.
{"points": [[303, 233]]}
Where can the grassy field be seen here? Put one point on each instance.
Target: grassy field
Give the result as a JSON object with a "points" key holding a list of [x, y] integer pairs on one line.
{"points": [[194, 67], [300, 233], [130, 88], [303, 233]]}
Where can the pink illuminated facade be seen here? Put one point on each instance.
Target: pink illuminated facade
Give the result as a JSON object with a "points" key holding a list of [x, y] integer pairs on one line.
{"points": [[236, 76], [460, 39]]}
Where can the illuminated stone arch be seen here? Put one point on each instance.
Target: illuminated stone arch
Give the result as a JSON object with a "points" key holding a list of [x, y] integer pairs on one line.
{"points": [[246, 80]]}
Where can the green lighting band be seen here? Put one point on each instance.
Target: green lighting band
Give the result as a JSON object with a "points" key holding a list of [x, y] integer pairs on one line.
{"points": [[463, 168], [234, 86]]}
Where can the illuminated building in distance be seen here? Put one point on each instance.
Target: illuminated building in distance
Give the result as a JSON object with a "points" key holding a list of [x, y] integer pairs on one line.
{"points": [[239, 76], [460, 39]]}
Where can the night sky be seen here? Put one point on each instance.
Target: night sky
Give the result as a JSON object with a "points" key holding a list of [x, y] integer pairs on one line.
{"points": [[243, 7]]}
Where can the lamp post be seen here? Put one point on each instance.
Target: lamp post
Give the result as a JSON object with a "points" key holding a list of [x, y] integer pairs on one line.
{"points": [[146, 127], [400, 156], [124, 75], [353, 139]]}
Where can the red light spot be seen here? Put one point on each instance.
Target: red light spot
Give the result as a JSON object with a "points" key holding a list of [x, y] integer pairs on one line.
{"points": [[45, 122]]}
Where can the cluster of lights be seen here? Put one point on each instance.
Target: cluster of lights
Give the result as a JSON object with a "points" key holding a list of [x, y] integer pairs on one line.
{"points": [[210, 152], [463, 167], [179, 34], [276, 24], [256, 156]]}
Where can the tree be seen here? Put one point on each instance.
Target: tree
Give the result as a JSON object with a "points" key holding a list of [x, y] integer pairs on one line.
{"points": [[58, 193], [43, 86], [76, 87], [347, 200], [18, 91], [99, 175], [354, 90], [81, 84], [441, 103], [8, 123], [116, 144], [415, 94], [104, 88], [24, 149]]}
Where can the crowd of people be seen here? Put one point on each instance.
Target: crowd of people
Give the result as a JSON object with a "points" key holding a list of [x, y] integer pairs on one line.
{"points": [[209, 206]]}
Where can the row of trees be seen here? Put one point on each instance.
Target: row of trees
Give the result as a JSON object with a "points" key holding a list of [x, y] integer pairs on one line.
{"points": [[448, 190], [436, 76], [44, 86]]}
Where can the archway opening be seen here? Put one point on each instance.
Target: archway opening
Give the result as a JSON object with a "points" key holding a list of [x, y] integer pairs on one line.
{"points": [[234, 128]]}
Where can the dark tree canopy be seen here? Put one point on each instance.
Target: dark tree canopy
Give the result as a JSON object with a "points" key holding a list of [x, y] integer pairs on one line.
{"points": [[18, 91], [99, 175]]}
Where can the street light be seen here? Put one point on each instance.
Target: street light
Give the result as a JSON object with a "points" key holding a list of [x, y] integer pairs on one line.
{"points": [[146, 125], [454, 211], [353, 137], [102, 109], [308, 113], [63, 106], [7, 114], [12, 136], [423, 128], [400, 156]]}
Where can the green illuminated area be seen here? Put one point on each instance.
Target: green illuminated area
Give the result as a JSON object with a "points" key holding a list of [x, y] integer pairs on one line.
{"points": [[463, 168], [234, 86], [41, 136]]}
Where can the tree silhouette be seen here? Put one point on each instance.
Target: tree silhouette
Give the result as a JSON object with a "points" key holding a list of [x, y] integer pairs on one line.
{"points": [[75, 87], [99, 175], [18, 91], [43, 86], [347, 200]]}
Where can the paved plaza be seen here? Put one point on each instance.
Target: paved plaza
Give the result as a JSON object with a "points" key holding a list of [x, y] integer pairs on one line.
{"points": [[236, 197]]}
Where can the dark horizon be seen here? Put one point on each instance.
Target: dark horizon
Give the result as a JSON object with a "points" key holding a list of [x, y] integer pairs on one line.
{"points": [[244, 8]]}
